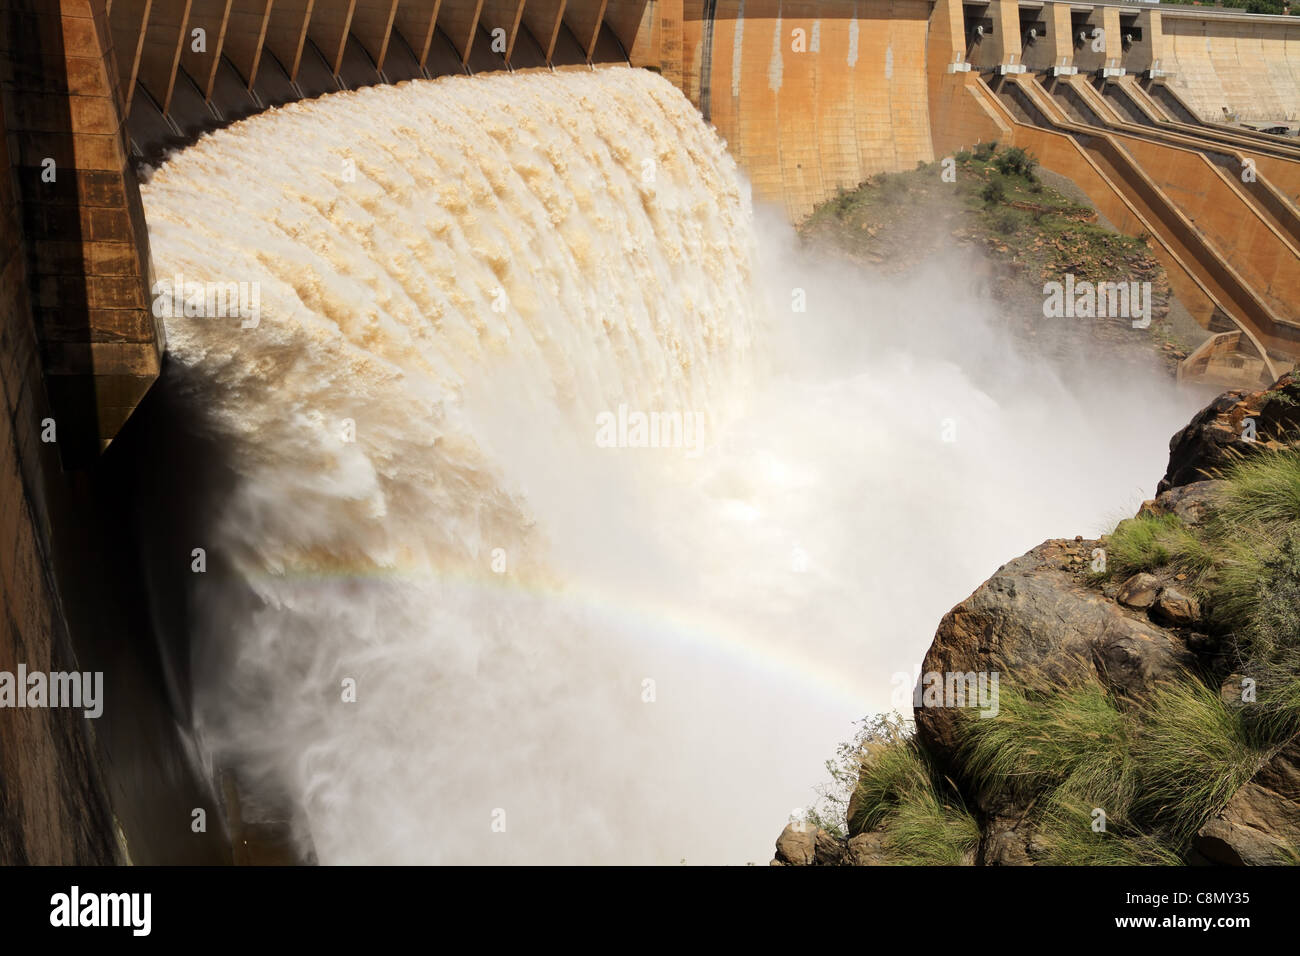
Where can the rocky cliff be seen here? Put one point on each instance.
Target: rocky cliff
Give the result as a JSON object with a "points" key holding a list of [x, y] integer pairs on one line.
{"points": [[1146, 700]]}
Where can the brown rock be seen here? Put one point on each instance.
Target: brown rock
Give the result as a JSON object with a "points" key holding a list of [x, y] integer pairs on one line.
{"points": [[1008, 842], [1139, 591], [1261, 823], [1173, 608], [1033, 620], [829, 851], [1216, 433], [1191, 503], [797, 845], [1230, 690], [868, 849]]}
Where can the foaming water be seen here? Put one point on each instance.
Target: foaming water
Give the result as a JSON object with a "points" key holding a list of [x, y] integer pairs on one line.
{"points": [[561, 651]]}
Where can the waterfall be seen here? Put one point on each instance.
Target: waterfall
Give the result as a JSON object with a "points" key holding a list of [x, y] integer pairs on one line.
{"points": [[559, 537]]}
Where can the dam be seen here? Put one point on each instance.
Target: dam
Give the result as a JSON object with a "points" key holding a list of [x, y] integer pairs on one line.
{"points": [[149, 138]]}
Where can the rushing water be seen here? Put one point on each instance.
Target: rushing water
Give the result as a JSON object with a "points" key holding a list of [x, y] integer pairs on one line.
{"points": [[562, 651]]}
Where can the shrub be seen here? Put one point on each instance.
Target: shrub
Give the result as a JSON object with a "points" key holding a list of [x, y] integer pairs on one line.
{"points": [[893, 771], [1007, 223], [1016, 162], [830, 810]]}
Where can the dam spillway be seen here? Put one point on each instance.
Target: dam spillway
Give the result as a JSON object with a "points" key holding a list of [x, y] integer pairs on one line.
{"points": [[809, 98], [474, 263], [455, 608]]}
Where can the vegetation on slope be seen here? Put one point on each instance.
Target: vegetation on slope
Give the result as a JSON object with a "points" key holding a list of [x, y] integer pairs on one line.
{"points": [[1158, 768], [1026, 233]]}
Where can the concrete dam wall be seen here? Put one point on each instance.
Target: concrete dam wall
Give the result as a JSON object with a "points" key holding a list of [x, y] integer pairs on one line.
{"points": [[810, 95], [1225, 67]]}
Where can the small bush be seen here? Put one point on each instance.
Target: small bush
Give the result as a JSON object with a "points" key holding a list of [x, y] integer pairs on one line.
{"points": [[1007, 223], [1016, 162], [993, 192], [893, 772], [830, 810], [984, 151]]}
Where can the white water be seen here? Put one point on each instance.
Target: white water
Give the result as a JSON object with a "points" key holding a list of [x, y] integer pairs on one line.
{"points": [[770, 586]]}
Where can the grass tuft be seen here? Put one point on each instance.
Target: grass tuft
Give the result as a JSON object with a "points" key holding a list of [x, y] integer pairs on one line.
{"points": [[1194, 751]]}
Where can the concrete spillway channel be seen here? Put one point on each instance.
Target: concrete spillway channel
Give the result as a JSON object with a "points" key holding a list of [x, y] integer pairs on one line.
{"points": [[1253, 225], [1212, 289], [1275, 160], [1175, 110]]}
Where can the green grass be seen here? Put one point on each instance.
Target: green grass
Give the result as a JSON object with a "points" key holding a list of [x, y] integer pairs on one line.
{"points": [[1049, 738], [927, 830], [1263, 488], [923, 820], [1150, 542], [1158, 769], [1193, 752], [892, 773], [1068, 834]]}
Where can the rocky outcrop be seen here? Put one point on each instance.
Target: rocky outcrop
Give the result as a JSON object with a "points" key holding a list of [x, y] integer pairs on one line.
{"points": [[1038, 615], [803, 845], [1238, 422], [1261, 823], [1044, 616]]}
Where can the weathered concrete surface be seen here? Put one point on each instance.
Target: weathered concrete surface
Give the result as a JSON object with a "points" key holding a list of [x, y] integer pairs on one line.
{"points": [[69, 597], [86, 246], [811, 96], [52, 808], [1223, 65]]}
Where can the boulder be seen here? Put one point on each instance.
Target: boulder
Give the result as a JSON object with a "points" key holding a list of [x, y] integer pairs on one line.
{"points": [[1173, 608], [867, 849], [1139, 592], [829, 851], [1008, 841], [1219, 431], [1034, 620], [1231, 690], [797, 845], [1260, 825], [1191, 503]]}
